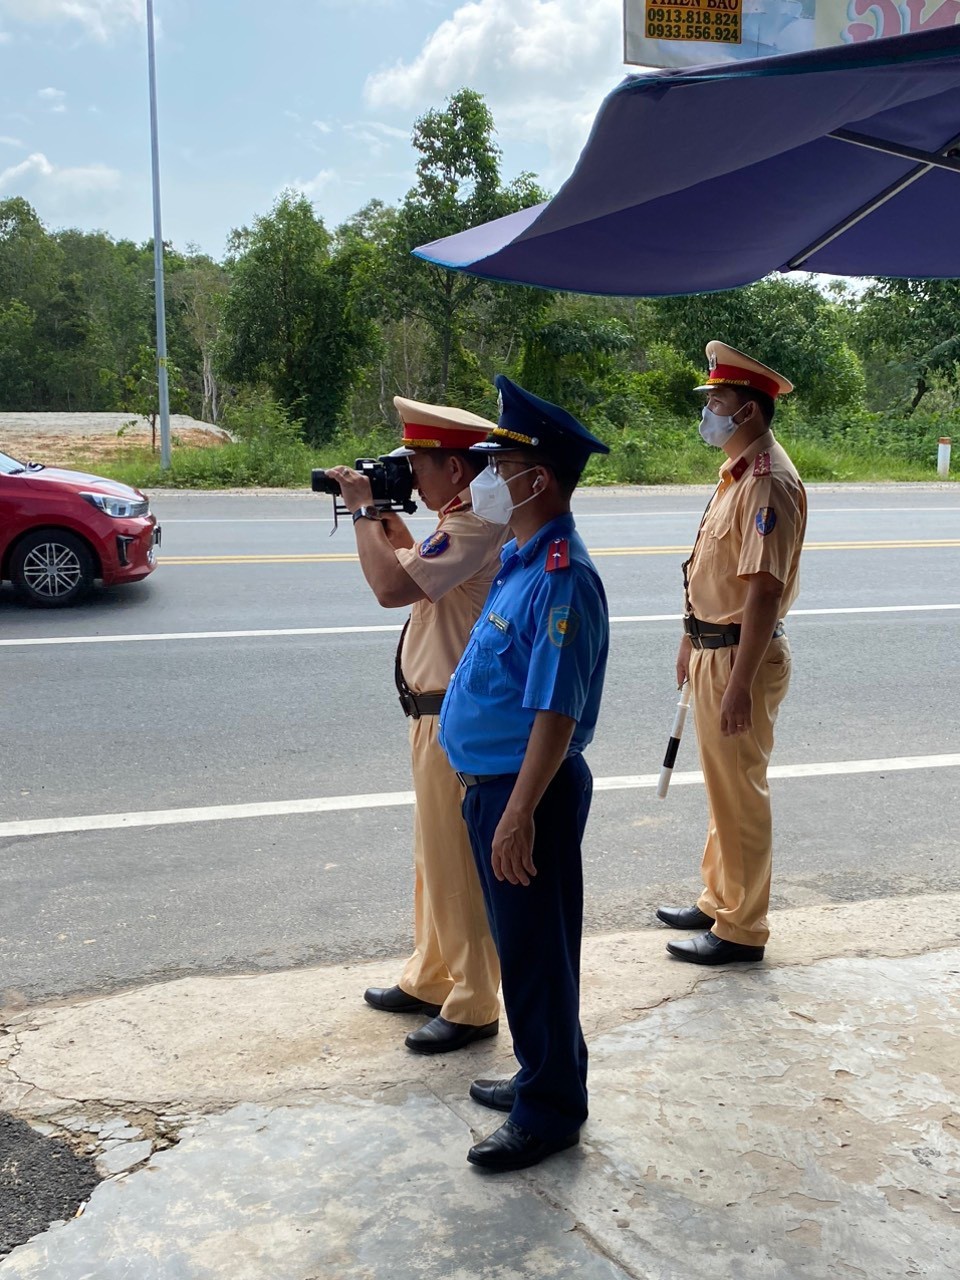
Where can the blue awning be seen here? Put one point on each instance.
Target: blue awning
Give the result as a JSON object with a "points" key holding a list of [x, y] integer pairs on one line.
{"points": [[844, 161]]}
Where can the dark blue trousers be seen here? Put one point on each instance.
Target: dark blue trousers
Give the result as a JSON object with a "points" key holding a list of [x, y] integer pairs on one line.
{"points": [[537, 930]]}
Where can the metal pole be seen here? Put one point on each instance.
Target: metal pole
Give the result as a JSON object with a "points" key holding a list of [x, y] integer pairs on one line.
{"points": [[162, 382]]}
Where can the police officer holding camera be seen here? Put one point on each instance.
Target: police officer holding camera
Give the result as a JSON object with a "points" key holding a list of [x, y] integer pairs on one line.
{"points": [[453, 974]]}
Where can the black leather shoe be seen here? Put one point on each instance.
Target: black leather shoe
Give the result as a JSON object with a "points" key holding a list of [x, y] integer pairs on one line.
{"points": [[440, 1036], [396, 1000], [514, 1148], [707, 948], [684, 917], [499, 1095]]}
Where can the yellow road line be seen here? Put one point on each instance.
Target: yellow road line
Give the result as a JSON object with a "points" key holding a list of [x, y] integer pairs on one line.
{"points": [[345, 557]]}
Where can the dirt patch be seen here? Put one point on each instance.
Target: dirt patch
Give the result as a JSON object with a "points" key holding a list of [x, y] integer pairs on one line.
{"points": [[69, 439], [70, 450]]}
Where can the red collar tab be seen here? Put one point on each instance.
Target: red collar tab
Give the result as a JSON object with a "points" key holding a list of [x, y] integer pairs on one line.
{"points": [[738, 468], [558, 555], [455, 504]]}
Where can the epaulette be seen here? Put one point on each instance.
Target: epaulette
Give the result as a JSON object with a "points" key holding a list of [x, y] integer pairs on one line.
{"points": [[738, 468], [558, 555], [761, 466]]}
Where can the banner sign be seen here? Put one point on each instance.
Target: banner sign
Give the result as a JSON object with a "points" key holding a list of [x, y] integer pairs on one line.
{"points": [[686, 33]]}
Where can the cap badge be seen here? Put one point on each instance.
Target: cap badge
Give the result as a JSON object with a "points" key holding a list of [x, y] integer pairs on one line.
{"points": [[712, 361]]}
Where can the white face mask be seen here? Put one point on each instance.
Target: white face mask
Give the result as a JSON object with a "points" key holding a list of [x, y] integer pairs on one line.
{"points": [[717, 428], [490, 495]]}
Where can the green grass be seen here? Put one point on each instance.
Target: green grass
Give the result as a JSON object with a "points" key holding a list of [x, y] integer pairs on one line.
{"points": [[288, 465]]}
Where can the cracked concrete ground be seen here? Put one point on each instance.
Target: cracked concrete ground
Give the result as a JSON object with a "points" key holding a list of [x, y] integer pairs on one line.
{"points": [[798, 1119]]}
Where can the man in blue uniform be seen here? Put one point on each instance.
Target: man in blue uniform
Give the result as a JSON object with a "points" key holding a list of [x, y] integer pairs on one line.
{"points": [[520, 709]]}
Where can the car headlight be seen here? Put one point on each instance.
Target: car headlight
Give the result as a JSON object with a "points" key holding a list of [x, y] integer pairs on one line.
{"points": [[120, 508]]}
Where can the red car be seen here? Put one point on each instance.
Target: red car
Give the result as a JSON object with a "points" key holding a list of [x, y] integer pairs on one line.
{"points": [[60, 530]]}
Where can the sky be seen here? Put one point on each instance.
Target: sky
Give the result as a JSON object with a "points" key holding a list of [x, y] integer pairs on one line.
{"points": [[256, 96]]}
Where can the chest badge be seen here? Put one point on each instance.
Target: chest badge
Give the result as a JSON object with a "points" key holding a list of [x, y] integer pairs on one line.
{"points": [[500, 623], [435, 545], [766, 518], [563, 625], [558, 555]]}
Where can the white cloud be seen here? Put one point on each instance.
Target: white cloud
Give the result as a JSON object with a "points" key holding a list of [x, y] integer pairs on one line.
{"points": [[37, 175], [10, 142], [543, 66], [100, 17], [322, 127], [52, 95], [312, 187]]}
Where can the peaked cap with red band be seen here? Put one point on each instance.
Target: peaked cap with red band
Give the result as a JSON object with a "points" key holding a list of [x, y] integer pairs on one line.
{"points": [[731, 368], [436, 426]]}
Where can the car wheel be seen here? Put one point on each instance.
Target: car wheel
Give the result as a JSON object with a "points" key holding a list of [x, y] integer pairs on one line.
{"points": [[52, 568]]}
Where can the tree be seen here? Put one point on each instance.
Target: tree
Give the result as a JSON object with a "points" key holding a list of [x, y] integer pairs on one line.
{"points": [[567, 355], [789, 325], [141, 389], [294, 318], [458, 186], [912, 329], [198, 291]]}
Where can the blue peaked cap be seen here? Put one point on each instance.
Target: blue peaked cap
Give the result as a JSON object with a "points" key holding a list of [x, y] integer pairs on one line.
{"points": [[528, 422]]}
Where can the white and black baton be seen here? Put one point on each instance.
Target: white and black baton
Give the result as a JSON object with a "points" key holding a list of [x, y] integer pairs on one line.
{"points": [[673, 746]]}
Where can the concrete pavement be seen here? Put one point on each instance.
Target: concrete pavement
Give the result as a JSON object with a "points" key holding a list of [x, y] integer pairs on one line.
{"points": [[797, 1119]]}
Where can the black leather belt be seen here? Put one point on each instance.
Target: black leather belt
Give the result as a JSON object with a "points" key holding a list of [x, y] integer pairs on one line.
{"points": [[474, 779], [421, 704], [717, 635]]}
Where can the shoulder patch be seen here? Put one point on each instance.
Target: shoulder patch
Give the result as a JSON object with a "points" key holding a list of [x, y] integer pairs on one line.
{"points": [[761, 466], [563, 625], [738, 468], [434, 546], [558, 555], [766, 518]]}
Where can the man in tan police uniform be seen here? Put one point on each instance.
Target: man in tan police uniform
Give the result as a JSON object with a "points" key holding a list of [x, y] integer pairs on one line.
{"points": [[453, 973], [741, 579]]}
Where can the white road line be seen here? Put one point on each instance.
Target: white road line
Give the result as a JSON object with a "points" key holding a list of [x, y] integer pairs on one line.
{"points": [[36, 641], [386, 799], [580, 515]]}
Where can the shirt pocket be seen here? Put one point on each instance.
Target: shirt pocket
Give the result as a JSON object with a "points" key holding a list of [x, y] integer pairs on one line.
{"points": [[718, 551], [495, 650]]}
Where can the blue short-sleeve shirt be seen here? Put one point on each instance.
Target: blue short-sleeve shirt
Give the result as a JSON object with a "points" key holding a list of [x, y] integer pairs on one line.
{"points": [[540, 644]]}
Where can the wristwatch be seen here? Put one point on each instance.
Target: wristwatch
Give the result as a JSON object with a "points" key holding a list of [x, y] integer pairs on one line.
{"points": [[366, 513]]}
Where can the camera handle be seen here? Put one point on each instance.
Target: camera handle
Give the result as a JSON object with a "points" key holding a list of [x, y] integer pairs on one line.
{"points": [[383, 504]]}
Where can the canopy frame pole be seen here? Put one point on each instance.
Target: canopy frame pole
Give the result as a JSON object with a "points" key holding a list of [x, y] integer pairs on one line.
{"points": [[947, 158], [939, 160]]}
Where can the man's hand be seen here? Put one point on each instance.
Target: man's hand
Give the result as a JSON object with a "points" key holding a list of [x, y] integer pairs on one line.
{"points": [[512, 850], [736, 710], [683, 660], [354, 488], [395, 527]]}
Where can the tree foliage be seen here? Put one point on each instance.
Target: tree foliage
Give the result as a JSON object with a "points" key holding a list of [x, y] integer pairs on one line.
{"points": [[292, 318], [303, 334]]}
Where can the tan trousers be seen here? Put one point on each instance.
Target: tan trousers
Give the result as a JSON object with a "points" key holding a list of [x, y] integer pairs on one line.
{"points": [[739, 850], [454, 963]]}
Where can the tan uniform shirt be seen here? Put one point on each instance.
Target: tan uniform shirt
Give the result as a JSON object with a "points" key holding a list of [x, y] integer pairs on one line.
{"points": [[755, 524], [454, 568]]}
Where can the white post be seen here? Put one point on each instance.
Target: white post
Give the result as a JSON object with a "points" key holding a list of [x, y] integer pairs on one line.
{"points": [[943, 457], [162, 381]]}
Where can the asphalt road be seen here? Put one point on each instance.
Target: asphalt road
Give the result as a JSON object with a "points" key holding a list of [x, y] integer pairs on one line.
{"points": [[166, 718]]}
